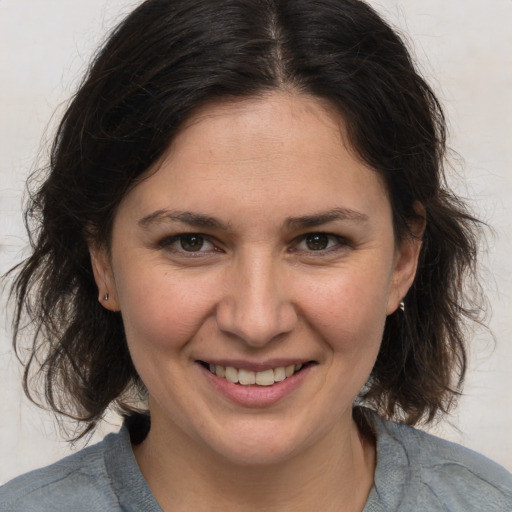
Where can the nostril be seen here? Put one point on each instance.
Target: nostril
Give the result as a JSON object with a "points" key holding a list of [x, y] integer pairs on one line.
{"points": [[256, 315]]}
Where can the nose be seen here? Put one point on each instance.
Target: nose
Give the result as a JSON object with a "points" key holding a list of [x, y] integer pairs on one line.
{"points": [[256, 306]]}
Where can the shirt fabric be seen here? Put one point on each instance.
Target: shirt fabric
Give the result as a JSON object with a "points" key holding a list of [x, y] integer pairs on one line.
{"points": [[415, 472]]}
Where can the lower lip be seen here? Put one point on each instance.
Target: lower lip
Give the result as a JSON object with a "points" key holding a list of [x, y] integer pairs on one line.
{"points": [[254, 395]]}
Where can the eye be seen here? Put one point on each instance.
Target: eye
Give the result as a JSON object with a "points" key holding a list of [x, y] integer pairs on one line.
{"points": [[191, 243], [319, 242], [188, 242]]}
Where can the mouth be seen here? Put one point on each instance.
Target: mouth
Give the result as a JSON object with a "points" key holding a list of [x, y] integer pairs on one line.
{"points": [[243, 377]]}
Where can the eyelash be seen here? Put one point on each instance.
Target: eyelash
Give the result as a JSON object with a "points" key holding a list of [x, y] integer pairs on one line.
{"points": [[340, 243], [167, 243]]}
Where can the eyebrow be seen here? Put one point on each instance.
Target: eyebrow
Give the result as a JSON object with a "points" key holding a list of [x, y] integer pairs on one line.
{"points": [[199, 220], [193, 219], [317, 219]]}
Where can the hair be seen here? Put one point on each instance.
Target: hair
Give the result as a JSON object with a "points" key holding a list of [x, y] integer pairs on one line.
{"points": [[163, 62]]}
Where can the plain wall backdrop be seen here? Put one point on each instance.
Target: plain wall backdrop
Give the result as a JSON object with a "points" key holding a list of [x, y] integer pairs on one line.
{"points": [[464, 48]]}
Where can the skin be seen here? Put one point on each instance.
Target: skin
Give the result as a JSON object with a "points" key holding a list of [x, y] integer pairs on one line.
{"points": [[261, 287]]}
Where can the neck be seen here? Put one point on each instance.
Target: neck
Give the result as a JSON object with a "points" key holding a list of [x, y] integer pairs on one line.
{"points": [[184, 476]]}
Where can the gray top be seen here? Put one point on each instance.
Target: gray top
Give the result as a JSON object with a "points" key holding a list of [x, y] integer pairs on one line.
{"points": [[415, 472]]}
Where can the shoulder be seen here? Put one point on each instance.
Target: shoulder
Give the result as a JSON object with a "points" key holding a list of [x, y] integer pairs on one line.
{"points": [[435, 474], [81, 478]]}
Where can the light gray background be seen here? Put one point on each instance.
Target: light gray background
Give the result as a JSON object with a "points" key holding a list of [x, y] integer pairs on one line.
{"points": [[465, 51]]}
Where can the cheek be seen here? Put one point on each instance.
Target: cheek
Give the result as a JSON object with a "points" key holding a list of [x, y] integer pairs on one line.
{"points": [[162, 310], [349, 314], [353, 302]]}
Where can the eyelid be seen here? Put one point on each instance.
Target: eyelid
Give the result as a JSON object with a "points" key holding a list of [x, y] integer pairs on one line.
{"points": [[341, 242], [170, 241]]}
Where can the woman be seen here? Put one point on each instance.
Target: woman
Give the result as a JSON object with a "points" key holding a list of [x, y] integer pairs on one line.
{"points": [[245, 245]]}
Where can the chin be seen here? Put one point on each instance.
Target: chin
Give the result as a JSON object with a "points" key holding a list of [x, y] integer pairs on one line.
{"points": [[257, 453], [257, 444]]}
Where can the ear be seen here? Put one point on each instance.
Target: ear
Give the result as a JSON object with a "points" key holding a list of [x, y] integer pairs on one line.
{"points": [[406, 260], [104, 277]]}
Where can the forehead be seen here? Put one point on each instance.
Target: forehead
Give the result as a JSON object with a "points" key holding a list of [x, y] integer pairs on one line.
{"points": [[261, 152], [263, 124]]}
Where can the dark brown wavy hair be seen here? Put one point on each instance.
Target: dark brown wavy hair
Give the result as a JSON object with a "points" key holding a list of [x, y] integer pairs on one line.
{"points": [[163, 62]]}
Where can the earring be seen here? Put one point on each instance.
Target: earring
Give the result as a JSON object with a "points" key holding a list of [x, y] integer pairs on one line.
{"points": [[402, 306], [105, 297]]}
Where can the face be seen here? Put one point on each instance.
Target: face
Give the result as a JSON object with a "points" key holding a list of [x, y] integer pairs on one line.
{"points": [[254, 269]]}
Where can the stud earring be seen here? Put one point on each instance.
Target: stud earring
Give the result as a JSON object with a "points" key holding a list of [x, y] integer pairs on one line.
{"points": [[105, 297], [402, 306]]}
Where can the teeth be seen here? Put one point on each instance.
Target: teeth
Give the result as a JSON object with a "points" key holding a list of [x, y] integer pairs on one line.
{"points": [[265, 378], [248, 377], [231, 374], [279, 374]]}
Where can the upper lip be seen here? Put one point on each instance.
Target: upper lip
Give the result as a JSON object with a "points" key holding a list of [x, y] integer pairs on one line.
{"points": [[256, 366]]}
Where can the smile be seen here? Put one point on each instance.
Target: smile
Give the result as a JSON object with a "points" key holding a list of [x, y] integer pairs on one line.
{"points": [[248, 377]]}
